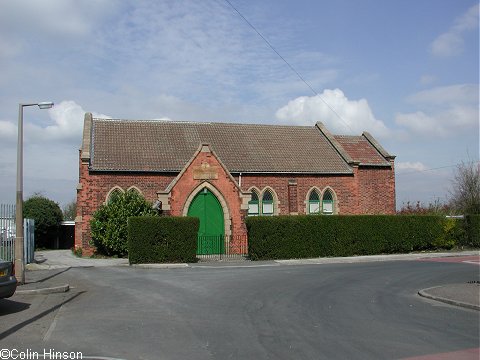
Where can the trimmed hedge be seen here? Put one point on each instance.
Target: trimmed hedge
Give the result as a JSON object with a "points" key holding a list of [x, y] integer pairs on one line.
{"points": [[472, 230], [286, 237], [162, 239]]}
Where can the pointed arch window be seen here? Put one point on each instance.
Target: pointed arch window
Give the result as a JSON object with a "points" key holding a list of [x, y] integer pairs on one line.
{"points": [[314, 202], [115, 192], [327, 202], [267, 203], [253, 207], [134, 189]]}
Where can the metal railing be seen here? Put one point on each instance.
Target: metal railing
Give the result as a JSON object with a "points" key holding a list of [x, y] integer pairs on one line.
{"points": [[222, 247], [8, 234]]}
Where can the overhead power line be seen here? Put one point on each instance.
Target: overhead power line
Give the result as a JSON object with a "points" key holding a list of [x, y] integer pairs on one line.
{"points": [[288, 64], [432, 169]]}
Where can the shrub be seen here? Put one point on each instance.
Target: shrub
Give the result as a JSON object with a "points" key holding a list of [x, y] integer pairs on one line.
{"points": [[47, 216], [452, 235], [472, 230], [78, 252], [162, 239], [284, 237], [109, 222]]}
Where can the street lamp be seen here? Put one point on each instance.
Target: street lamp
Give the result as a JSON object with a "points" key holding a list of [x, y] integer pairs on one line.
{"points": [[19, 264]]}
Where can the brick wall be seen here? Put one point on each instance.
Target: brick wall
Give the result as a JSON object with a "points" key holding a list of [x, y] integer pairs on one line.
{"points": [[366, 191], [377, 191], [93, 189], [369, 190], [95, 186], [228, 192]]}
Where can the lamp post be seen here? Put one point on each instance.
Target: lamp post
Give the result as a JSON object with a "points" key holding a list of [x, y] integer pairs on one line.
{"points": [[19, 257]]}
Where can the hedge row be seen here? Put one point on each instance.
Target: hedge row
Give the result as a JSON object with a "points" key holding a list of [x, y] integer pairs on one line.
{"points": [[162, 239], [286, 237], [472, 231]]}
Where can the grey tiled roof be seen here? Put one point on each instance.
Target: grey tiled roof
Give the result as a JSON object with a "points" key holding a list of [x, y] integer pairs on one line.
{"points": [[161, 146]]}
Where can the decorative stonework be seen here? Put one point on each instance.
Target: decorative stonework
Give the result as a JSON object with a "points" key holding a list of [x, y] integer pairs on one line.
{"points": [[164, 198], [205, 172]]}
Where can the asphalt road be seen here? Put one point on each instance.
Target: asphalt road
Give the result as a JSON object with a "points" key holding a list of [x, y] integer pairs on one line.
{"points": [[329, 311]]}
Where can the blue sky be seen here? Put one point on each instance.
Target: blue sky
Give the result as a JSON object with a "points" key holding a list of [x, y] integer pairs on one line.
{"points": [[406, 71]]}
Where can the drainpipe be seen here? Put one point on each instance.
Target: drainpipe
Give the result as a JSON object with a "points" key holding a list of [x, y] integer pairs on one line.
{"points": [[240, 180]]}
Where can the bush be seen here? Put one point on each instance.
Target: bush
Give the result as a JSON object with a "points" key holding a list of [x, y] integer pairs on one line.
{"points": [[109, 222], [162, 239], [453, 234], [472, 230], [47, 216], [78, 252], [285, 237]]}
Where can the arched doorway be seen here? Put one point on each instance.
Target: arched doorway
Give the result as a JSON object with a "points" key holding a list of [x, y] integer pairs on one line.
{"points": [[208, 209]]}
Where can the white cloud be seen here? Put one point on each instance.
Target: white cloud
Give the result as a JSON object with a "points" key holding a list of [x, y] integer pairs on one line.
{"points": [[67, 124], [413, 166], [155, 47], [419, 122], [449, 123], [57, 17], [427, 79], [467, 21], [336, 111], [8, 130], [445, 111], [451, 43], [8, 47], [448, 44], [50, 152], [447, 95]]}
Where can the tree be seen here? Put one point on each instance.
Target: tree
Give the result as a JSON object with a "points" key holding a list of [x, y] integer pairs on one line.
{"points": [[70, 210], [437, 207], [465, 192], [109, 222], [47, 216]]}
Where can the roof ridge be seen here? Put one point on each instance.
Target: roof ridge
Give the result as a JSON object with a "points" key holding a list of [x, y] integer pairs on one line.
{"points": [[381, 150], [334, 142], [143, 120], [347, 136], [168, 121]]}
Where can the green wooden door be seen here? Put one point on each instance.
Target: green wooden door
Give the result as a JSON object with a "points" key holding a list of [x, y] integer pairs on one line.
{"points": [[207, 208]]}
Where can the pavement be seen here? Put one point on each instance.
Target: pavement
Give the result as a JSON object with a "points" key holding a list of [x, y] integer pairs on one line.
{"points": [[41, 281], [60, 259], [466, 295]]}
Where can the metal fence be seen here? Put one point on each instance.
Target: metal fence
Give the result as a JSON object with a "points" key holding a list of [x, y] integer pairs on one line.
{"points": [[28, 240], [222, 247], [8, 234]]}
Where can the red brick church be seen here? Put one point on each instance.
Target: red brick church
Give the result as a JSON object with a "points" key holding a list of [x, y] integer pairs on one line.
{"points": [[224, 172]]}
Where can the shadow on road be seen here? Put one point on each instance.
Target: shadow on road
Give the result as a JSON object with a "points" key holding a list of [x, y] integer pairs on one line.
{"points": [[11, 307], [50, 276], [17, 327]]}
